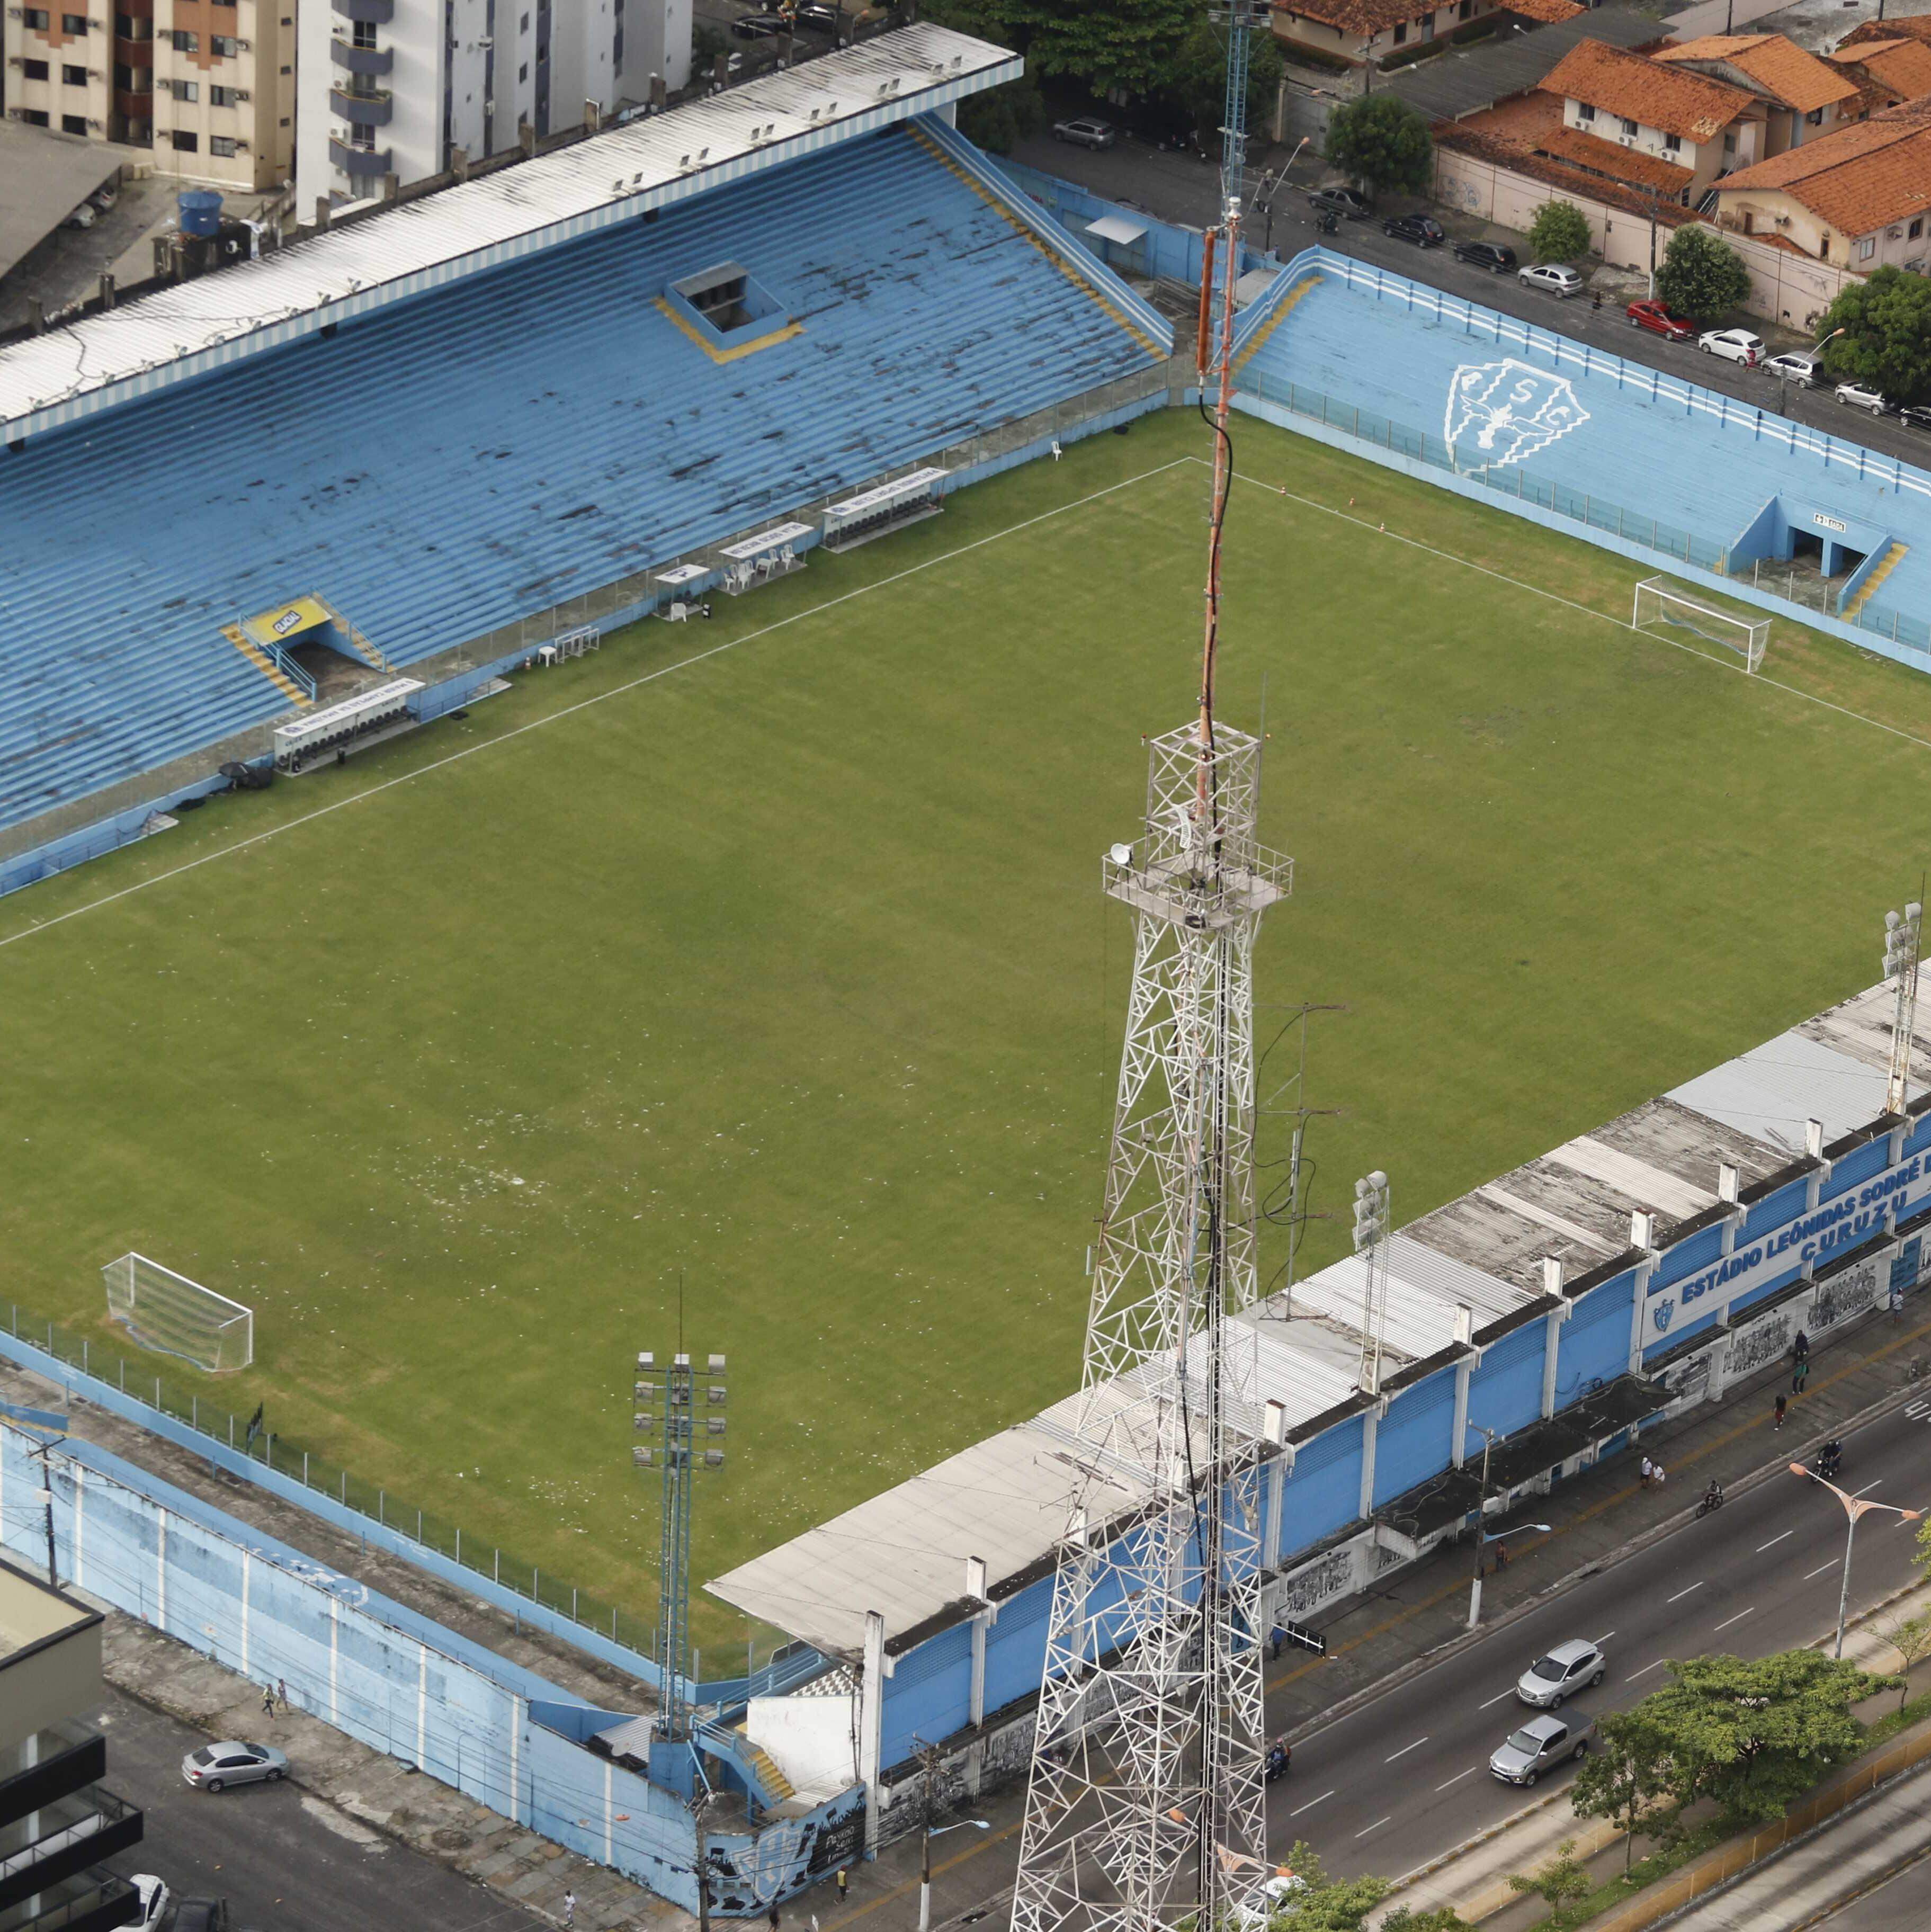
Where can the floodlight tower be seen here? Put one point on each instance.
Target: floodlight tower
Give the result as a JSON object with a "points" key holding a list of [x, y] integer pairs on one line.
{"points": [[1371, 1248], [1901, 931], [688, 1438], [1154, 1637]]}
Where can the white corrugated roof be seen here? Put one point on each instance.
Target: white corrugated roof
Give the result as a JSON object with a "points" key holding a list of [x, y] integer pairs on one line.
{"points": [[1425, 1287], [178, 332], [1771, 1091]]}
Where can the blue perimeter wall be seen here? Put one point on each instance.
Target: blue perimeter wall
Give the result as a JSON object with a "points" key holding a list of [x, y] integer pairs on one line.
{"points": [[928, 1695]]}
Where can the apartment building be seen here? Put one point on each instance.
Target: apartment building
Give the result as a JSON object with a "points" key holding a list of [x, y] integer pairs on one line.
{"points": [[210, 87], [398, 87]]}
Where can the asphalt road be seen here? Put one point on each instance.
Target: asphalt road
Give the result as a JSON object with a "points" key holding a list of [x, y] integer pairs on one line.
{"points": [[1898, 1905], [284, 1861], [1184, 188], [1400, 1780]]}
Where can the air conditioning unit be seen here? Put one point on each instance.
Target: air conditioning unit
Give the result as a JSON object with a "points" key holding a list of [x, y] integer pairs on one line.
{"points": [[93, 124], [242, 94], [16, 12], [244, 47]]}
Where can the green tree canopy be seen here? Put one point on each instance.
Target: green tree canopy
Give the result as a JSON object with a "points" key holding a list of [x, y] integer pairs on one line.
{"points": [[1198, 79], [1560, 232], [996, 118], [1382, 141], [1127, 45], [1324, 1904], [1630, 1772], [1559, 1880], [1418, 1918], [1700, 275], [1886, 343]]}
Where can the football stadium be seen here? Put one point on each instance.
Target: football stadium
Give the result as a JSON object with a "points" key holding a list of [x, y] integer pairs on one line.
{"points": [[555, 748]]}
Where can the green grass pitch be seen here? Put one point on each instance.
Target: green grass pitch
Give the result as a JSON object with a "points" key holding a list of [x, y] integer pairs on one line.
{"points": [[770, 955]]}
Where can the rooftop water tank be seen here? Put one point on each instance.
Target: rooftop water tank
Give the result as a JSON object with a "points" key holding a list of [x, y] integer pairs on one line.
{"points": [[200, 211]]}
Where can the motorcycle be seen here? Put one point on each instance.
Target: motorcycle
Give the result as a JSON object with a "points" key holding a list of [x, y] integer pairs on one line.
{"points": [[1279, 1758], [1829, 1459], [1330, 223], [1713, 1499]]}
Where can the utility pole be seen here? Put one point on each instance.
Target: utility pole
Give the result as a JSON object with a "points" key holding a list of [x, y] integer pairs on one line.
{"points": [[700, 1808], [928, 1765], [1488, 1436]]}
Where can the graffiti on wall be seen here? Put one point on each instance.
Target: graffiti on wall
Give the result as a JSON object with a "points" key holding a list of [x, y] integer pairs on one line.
{"points": [[1317, 1583]]}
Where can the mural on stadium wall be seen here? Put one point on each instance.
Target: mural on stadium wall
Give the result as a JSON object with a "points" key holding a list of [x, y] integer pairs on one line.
{"points": [[1512, 409]]}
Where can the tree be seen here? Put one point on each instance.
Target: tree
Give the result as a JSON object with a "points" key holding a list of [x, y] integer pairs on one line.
{"points": [[1558, 1881], [1323, 1904], [1910, 1638], [1754, 1734], [1418, 1918], [1127, 46], [1560, 232], [1886, 342], [1382, 141], [1629, 1771], [998, 118], [1198, 80], [1700, 275]]}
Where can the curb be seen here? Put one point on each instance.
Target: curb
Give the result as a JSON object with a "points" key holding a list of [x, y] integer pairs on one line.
{"points": [[1427, 1659]]}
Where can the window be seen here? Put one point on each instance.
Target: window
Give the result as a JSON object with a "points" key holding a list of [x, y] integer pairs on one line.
{"points": [[185, 90], [34, 117], [74, 123], [223, 145], [617, 48], [1466, 11], [225, 45], [1584, 111], [1916, 229], [1729, 144], [523, 72], [36, 19], [1814, 118], [74, 77], [1672, 144], [364, 35], [1400, 31], [35, 70], [1866, 248], [221, 97], [523, 25], [1629, 126], [73, 23], [185, 42], [184, 142], [363, 138]]}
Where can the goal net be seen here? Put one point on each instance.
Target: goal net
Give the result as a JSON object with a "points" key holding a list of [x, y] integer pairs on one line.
{"points": [[166, 1311], [1656, 603]]}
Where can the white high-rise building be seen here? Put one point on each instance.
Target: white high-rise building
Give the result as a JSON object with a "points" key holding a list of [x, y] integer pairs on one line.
{"points": [[396, 87]]}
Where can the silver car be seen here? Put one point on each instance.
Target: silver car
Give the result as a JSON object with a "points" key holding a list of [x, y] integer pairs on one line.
{"points": [[214, 1766], [1565, 1670], [1559, 281], [1540, 1744]]}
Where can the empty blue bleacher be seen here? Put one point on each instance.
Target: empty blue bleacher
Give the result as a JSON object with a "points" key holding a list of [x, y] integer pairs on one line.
{"points": [[495, 447], [1652, 447]]}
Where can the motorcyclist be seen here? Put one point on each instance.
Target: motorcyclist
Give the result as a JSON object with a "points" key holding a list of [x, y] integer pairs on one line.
{"points": [[1278, 1755], [1713, 1497], [1829, 1457]]}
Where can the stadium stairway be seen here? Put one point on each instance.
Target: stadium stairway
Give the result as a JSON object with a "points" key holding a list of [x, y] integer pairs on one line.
{"points": [[500, 446]]}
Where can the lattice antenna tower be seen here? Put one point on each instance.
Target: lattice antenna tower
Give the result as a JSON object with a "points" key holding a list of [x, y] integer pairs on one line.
{"points": [[1145, 1806], [1901, 933], [682, 1413]]}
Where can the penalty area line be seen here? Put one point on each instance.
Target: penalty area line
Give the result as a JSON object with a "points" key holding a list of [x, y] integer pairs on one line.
{"points": [[586, 703]]}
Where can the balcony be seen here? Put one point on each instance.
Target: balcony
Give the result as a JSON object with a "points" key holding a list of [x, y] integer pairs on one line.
{"points": [[362, 162], [371, 12], [133, 107], [134, 53], [361, 60], [362, 110], [76, 1832]]}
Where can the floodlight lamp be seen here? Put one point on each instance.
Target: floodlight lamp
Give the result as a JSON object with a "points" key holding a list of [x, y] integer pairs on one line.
{"points": [[716, 1365], [1892, 921], [714, 1425], [1121, 855], [1378, 1181], [644, 1458], [716, 1396], [680, 1361], [1913, 911], [642, 1419], [645, 1360], [1361, 1189], [714, 1458]]}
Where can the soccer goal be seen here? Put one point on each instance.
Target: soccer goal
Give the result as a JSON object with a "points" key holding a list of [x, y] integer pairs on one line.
{"points": [[166, 1311], [1656, 603]]}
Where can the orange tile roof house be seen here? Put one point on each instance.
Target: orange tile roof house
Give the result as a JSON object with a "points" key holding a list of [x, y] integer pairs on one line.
{"points": [[1804, 96], [1358, 30], [1860, 198], [1889, 71]]}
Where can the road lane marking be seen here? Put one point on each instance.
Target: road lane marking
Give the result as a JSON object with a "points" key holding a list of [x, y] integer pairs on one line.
{"points": [[1774, 1542], [1681, 1593], [1405, 1749], [1644, 1672], [1312, 1803], [1737, 1619], [1376, 1826], [1865, 1490], [1496, 1699], [1459, 1776], [1604, 1638], [1820, 1569]]}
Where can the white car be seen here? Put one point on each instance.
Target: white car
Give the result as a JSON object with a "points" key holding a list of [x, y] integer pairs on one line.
{"points": [[1278, 1888], [1793, 367], [1560, 1673], [1552, 276], [1860, 397], [1734, 345], [153, 1893], [85, 216]]}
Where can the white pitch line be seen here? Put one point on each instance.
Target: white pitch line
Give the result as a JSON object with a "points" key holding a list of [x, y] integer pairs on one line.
{"points": [[1496, 1699], [1681, 1593], [1644, 1672], [1774, 1542], [1312, 1803], [1405, 1749], [1737, 1619], [1376, 1826], [1459, 1776], [1865, 1490], [1820, 1569]]}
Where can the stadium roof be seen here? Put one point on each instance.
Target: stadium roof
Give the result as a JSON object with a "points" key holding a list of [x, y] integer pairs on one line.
{"points": [[1006, 1500], [167, 338]]}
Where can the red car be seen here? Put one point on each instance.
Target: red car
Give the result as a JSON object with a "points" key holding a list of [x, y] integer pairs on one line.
{"points": [[1653, 316]]}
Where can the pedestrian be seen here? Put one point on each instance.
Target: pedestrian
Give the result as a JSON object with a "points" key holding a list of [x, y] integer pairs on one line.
{"points": [[1896, 1303], [1656, 1475], [1800, 1375], [771, 1917], [1275, 1638], [1779, 1423], [281, 1694], [1800, 1348], [569, 1908], [1649, 1470], [268, 1700], [844, 1883]]}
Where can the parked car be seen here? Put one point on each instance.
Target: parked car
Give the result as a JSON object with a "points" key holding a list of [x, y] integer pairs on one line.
{"points": [[204, 1915], [1561, 1673], [1344, 202], [759, 26], [1914, 415], [1490, 255], [232, 1762], [1734, 345], [1861, 397], [85, 216], [1793, 366], [815, 13], [1423, 230], [1275, 1891], [153, 1893], [1540, 1744], [1658, 320], [1086, 131], [104, 197], [1553, 276]]}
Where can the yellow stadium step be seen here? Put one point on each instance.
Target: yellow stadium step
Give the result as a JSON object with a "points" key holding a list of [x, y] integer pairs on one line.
{"points": [[773, 1779], [266, 665], [370, 654], [1893, 557], [1274, 321]]}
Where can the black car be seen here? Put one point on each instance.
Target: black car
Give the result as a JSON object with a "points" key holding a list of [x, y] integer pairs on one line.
{"points": [[824, 18], [1341, 201], [1492, 255], [1423, 230], [1915, 415], [759, 26]]}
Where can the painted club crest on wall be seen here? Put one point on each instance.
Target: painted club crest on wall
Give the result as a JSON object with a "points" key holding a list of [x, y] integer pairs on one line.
{"points": [[1503, 412]]}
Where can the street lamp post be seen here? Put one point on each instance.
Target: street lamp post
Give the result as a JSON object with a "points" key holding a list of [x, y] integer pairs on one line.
{"points": [[925, 1862], [1854, 1507]]}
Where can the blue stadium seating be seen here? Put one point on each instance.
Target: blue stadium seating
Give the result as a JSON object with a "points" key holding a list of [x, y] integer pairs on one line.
{"points": [[1394, 351], [493, 448]]}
